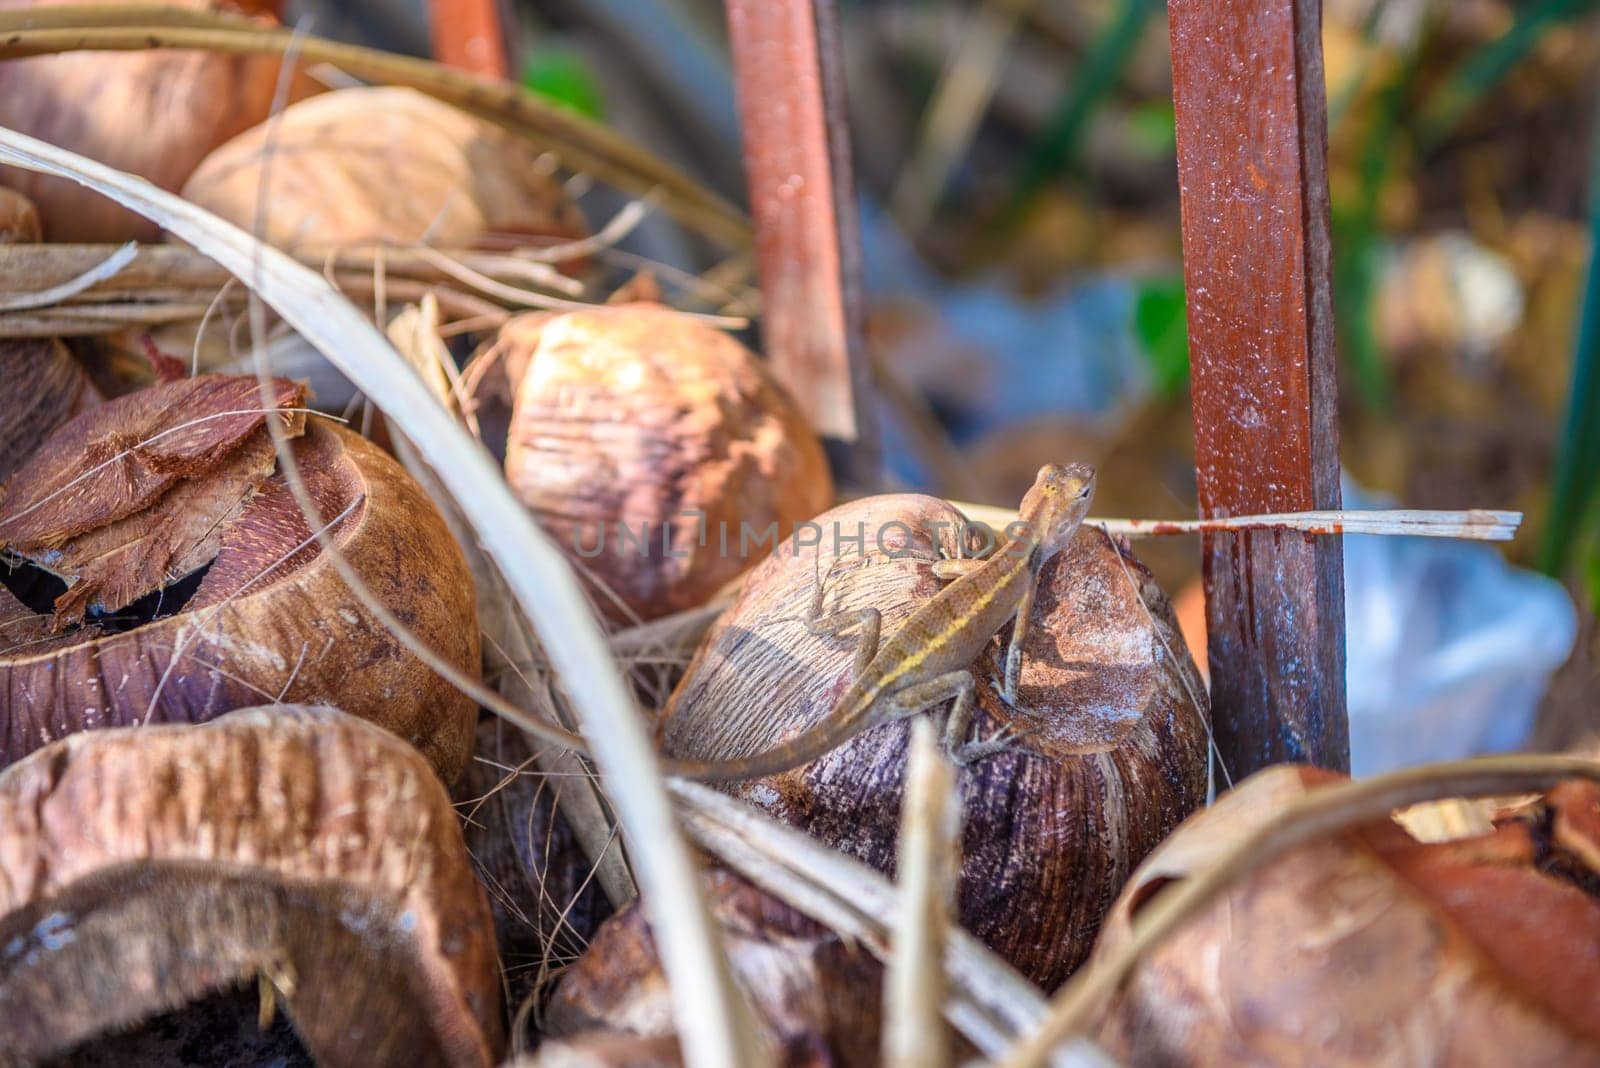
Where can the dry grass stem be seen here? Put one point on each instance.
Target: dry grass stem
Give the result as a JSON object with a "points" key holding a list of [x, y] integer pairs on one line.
{"points": [[1474, 524], [927, 865]]}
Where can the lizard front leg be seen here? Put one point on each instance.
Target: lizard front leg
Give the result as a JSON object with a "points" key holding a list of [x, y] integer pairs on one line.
{"points": [[1019, 637], [959, 686]]}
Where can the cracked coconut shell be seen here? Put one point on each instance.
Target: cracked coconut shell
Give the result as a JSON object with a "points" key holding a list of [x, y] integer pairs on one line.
{"points": [[816, 997], [145, 869], [640, 436], [161, 571], [156, 113], [1111, 754], [387, 165], [1371, 947]]}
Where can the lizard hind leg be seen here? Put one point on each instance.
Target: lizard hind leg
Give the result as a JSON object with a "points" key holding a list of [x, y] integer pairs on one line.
{"points": [[961, 687]]}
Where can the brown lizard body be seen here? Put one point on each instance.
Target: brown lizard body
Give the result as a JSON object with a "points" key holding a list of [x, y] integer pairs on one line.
{"points": [[928, 660]]}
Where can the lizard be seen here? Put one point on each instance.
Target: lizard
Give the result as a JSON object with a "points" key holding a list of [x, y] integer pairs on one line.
{"points": [[928, 660]]}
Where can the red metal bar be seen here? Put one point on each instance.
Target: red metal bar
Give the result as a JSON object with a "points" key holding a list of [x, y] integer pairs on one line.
{"points": [[787, 64], [467, 35], [1252, 143]]}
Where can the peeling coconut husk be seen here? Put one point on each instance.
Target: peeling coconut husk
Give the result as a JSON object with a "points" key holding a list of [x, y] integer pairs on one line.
{"points": [[142, 870], [1372, 947], [161, 571], [363, 166], [19, 219], [41, 387], [816, 996], [155, 113], [1111, 753], [545, 900], [644, 441]]}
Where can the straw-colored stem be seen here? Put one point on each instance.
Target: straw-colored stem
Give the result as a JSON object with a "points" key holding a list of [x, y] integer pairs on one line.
{"points": [[1473, 524], [930, 827]]}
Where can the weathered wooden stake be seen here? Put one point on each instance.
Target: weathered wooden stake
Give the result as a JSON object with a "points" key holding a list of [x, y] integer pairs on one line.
{"points": [[1252, 144], [786, 62]]}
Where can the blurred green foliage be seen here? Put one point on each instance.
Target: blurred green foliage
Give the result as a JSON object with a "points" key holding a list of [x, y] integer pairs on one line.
{"points": [[1572, 530], [1163, 332], [562, 77], [1055, 150]]}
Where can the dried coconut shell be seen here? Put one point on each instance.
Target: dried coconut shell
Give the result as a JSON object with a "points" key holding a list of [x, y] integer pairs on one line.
{"points": [[641, 419], [150, 483], [41, 387], [1370, 948], [816, 997], [385, 165], [154, 113], [144, 869], [1111, 754]]}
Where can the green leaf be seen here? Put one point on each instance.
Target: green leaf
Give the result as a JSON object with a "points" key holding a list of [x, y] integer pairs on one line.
{"points": [[562, 77], [1153, 128], [1163, 332]]}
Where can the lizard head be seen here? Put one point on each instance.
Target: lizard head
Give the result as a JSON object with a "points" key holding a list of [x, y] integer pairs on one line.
{"points": [[1057, 503]]}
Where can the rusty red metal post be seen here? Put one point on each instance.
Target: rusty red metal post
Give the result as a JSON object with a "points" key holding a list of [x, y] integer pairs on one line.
{"points": [[467, 35], [1252, 144], [787, 64]]}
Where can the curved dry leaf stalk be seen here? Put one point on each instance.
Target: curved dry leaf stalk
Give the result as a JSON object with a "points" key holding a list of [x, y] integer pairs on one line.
{"points": [[1325, 811], [582, 145], [711, 1018], [507, 643]]}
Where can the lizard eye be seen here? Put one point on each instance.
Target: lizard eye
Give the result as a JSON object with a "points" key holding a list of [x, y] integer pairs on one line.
{"points": [[1083, 494]]}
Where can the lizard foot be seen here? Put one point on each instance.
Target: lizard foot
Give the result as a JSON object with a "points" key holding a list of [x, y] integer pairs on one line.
{"points": [[981, 749], [1011, 699]]}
